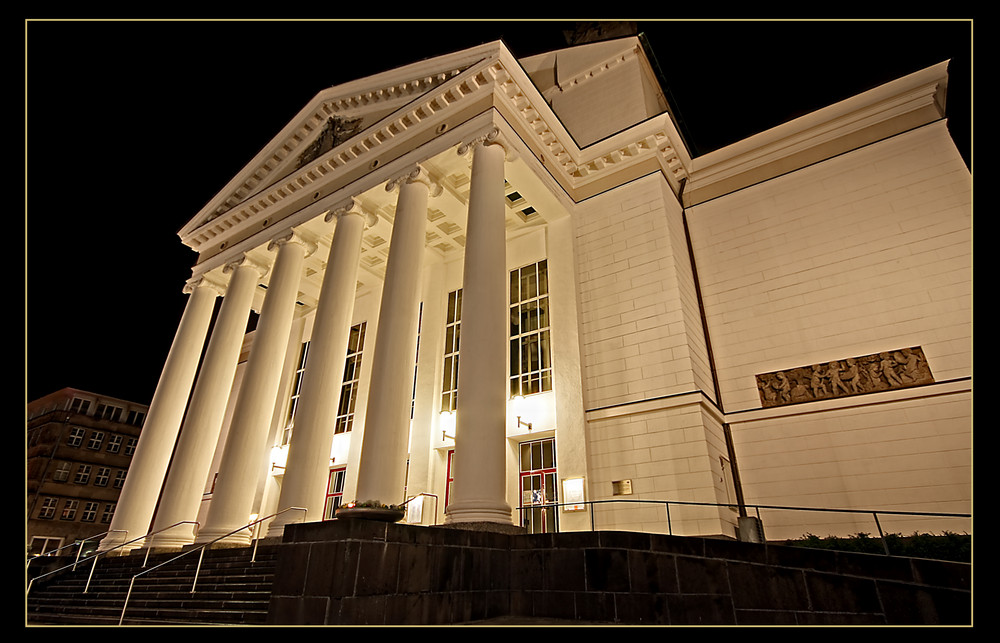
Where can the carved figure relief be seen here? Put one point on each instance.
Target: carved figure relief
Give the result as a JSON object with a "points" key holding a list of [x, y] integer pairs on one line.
{"points": [[852, 376], [336, 131]]}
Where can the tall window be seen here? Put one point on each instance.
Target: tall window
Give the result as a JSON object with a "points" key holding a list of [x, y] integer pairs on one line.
{"points": [[334, 492], [293, 404], [352, 377], [449, 387], [530, 344]]}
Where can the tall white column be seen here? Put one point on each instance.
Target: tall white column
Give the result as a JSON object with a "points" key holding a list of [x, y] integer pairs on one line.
{"points": [[246, 444], [382, 465], [156, 442], [480, 432], [193, 454], [308, 463]]}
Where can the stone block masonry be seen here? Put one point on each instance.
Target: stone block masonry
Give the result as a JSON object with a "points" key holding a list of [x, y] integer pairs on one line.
{"points": [[354, 572]]}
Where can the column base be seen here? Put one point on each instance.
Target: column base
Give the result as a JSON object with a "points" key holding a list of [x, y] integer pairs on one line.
{"points": [[478, 512], [233, 540]]}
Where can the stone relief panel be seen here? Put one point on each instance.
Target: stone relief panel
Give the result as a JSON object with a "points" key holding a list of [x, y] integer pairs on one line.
{"points": [[852, 376]]}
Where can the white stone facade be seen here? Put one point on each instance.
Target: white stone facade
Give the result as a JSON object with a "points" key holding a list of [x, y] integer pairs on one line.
{"points": [[659, 287]]}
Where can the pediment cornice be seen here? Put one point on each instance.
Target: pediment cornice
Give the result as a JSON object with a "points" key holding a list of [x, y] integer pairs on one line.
{"points": [[423, 101]]}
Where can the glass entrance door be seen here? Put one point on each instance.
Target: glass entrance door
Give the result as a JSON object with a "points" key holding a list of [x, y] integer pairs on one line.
{"points": [[538, 486]]}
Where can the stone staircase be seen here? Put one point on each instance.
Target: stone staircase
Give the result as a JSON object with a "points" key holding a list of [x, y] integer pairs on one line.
{"points": [[231, 590]]}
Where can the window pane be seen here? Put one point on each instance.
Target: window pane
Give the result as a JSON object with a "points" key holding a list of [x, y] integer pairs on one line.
{"points": [[548, 457], [544, 352], [529, 287], [515, 293], [543, 278]]}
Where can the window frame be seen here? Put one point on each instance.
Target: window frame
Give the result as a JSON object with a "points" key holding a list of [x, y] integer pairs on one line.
{"points": [[530, 330]]}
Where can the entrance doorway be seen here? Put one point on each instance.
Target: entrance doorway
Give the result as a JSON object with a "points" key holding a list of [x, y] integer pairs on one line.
{"points": [[538, 486]]}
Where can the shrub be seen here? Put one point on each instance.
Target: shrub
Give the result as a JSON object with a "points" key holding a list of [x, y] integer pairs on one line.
{"points": [[947, 546]]}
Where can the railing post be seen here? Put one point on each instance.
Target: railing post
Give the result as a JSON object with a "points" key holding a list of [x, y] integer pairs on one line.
{"points": [[201, 556], [670, 529], [885, 545]]}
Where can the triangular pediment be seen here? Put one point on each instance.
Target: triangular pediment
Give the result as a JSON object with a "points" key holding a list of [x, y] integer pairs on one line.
{"points": [[336, 116]]}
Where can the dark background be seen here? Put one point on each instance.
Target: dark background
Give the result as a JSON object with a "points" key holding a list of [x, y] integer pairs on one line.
{"points": [[132, 126]]}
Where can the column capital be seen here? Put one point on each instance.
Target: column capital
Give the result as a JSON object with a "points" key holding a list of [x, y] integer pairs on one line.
{"points": [[351, 206], [202, 281], [292, 236], [242, 260], [417, 174], [490, 136]]}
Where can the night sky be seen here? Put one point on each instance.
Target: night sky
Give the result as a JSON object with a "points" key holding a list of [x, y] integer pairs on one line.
{"points": [[132, 126]]}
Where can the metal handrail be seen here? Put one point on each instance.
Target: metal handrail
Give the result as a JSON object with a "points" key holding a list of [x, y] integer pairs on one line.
{"points": [[201, 554], [757, 508], [74, 544], [98, 554]]}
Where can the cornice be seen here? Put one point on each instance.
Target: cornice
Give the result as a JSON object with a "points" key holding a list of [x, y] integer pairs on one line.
{"points": [[892, 108], [424, 102]]}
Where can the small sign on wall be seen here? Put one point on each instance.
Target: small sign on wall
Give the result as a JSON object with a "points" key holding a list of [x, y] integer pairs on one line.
{"points": [[573, 494], [621, 488]]}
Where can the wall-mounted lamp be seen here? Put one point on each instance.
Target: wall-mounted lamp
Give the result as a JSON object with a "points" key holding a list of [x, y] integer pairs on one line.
{"points": [[447, 424], [518, 401]]}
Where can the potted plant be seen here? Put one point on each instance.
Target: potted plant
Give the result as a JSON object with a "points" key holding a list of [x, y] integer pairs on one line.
{"points": [[371, 510]]}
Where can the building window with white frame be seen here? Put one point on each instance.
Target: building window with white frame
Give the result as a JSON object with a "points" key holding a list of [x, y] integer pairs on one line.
{"points": [[130, 446], [79, 405], [48, 509], [452, 331], [114, 444], [82, 474], [89, 512], [75, 437], [352, 379], [108, 412], [530, 342], [69, 510], [102, 477], [96, 440], [108, 513], [120, 479], [61, 472]]}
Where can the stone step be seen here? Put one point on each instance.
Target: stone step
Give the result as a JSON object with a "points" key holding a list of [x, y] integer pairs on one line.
{"points": [[230, 590]]}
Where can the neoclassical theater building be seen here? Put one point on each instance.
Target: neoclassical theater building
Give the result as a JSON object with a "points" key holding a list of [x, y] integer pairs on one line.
{"points": [[503, 291]]}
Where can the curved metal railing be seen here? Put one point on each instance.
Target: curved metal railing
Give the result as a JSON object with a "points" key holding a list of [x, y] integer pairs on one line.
{"points": [[73, 544], [201, 553], [104, 552], [667, 503]]}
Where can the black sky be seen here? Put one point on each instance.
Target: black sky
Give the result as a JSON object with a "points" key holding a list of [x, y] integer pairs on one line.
{"points": [[132, 126]]}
